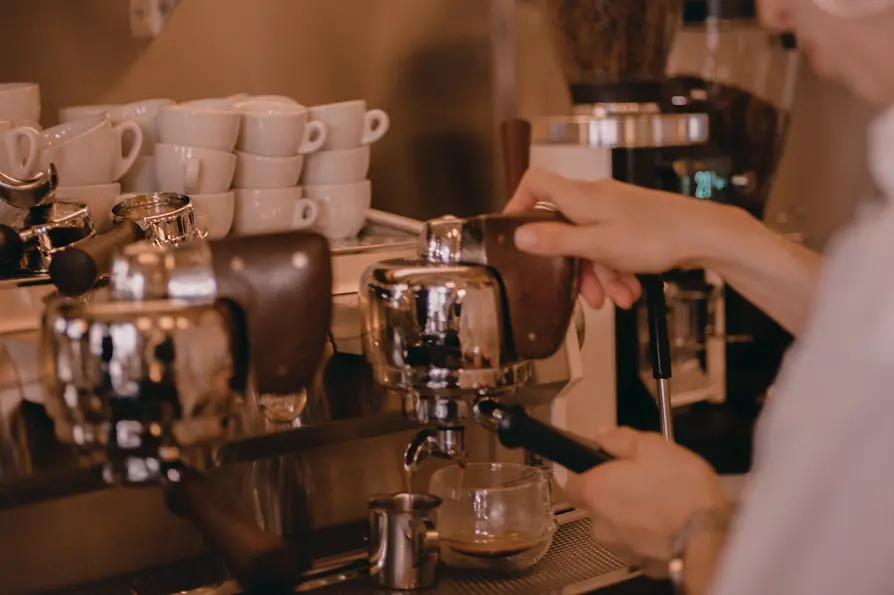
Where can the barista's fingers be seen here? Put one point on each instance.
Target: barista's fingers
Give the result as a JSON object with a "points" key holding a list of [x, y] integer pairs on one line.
{"points": [[580, 202], [622, 442], [591, 288], [537, 185], [632, 282], [593, 242], [615, 287]]}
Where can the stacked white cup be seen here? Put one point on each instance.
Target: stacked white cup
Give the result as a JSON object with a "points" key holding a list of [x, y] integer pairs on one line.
{"points": [[195, 157], [90, 154], [19, 131], [141, 177], [277, 135], [336, 177], [82, 112]]}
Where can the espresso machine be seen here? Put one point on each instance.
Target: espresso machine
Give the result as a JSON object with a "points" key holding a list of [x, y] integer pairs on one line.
{"points": [[180, 354], [699, 110]]}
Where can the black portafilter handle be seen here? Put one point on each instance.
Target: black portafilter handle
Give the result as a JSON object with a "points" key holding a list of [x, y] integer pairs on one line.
{"points": [[75, 270], [515, 428], [656, 309], [12, 248], [261, 562]]}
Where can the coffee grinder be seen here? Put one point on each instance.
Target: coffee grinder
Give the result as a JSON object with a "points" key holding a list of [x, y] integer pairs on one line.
{"points": [[697, 133], [725, 64]]}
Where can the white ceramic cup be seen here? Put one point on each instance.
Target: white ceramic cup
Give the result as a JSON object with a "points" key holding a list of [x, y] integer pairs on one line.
{"points": [[12, 138], [20, 101], [141, 177], [342, 208], [350, 124], [272, 210], [199, 126], [88, 152], [193, 170], [223, 103], [256, 171], [336, 167], [275, 129], [145, 114], [100, 198], [214, 212], [281, 99], [80, 112]]}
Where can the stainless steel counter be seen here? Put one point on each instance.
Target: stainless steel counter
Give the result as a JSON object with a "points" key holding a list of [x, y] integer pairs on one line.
{"points": [[574, 565]]}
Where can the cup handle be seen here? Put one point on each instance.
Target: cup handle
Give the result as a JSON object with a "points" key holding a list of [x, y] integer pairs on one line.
{"points": [[375, 124], [315, 134], [22, 168], [306, 212], [191, 170], [124, 163]]}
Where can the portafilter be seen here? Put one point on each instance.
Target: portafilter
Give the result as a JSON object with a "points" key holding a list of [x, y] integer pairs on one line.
{"points": [[46, 228], [165, 219], [153, 374]]}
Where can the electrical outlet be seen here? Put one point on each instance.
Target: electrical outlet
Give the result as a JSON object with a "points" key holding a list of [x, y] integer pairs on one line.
{"points": [[149, 17]]}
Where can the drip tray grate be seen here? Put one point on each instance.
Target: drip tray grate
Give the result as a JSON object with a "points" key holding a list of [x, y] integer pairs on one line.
{"points": [[573, 565]]}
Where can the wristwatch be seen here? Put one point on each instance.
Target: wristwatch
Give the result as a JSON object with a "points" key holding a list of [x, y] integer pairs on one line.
{"points": [[675, 571], [711, 519]]}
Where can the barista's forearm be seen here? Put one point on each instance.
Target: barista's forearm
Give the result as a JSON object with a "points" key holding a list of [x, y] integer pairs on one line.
{"points": [[776, 275]]}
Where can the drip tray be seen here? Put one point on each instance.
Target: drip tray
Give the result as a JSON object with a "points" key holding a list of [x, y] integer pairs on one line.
{"points": [[573, 565]]}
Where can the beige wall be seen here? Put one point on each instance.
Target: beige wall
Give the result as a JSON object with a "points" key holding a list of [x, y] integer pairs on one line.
{"points": [[427, 63]]}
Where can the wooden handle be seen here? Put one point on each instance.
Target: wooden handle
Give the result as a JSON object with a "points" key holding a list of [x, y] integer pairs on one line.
{"points": [[283, 284], [76, 269], [515, 136], [261, 562], [540, 291]]}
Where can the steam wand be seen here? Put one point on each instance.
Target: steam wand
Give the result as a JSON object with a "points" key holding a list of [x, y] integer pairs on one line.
{"points": [[659, 347]]}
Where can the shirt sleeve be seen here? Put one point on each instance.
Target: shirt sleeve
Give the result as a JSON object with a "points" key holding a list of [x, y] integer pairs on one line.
{"points": [[817, 516]]}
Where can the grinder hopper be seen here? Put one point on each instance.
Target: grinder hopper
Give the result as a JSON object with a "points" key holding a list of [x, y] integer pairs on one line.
{"points": [[612, 43]]}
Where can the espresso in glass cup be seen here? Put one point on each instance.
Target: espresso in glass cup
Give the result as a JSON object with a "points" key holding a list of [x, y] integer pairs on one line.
{"points": [[494, 516]]}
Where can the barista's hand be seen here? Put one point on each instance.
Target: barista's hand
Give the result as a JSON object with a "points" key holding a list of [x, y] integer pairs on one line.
{"points": [[618, 229], [640, 503]]}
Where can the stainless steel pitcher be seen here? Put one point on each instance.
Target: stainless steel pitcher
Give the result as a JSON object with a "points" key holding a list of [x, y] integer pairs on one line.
{"points": [[404, 547]]}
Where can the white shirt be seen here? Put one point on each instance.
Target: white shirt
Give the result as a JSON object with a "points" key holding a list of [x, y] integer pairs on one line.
{"points": [[817, 516]]}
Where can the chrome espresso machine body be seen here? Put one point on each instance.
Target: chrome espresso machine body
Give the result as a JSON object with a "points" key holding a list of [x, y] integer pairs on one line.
{"points": [[446, 328], [300, 455]]}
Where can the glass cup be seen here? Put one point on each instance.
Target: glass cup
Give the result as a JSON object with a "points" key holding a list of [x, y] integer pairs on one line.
{"points": [[494, 516]]}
